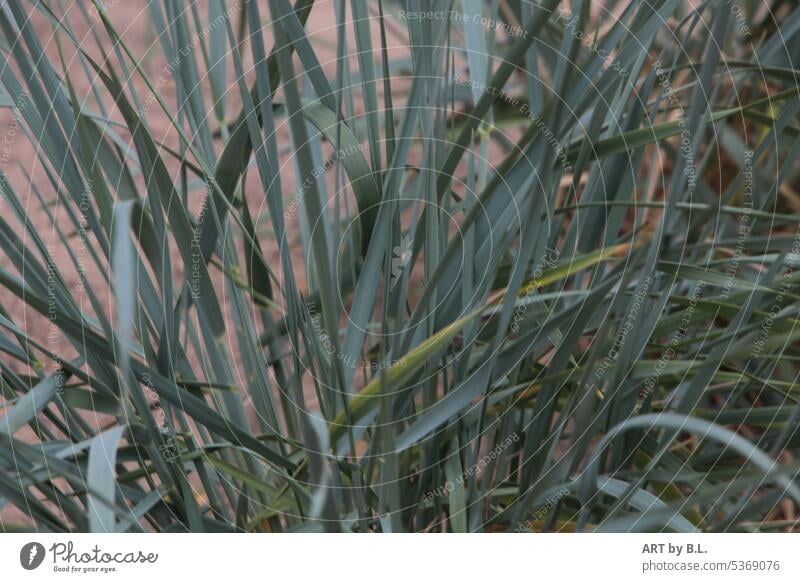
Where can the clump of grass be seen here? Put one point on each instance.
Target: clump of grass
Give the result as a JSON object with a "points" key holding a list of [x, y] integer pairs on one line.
{"points": [[435, 266]]}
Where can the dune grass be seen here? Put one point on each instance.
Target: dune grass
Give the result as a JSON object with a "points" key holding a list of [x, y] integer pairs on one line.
{"points": [[434, 266]]}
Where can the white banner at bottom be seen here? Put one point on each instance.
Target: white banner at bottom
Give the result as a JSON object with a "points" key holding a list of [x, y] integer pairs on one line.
{"points": [[390, 557]]}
